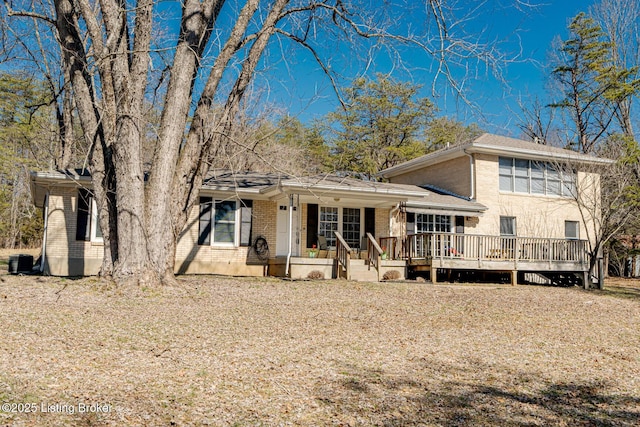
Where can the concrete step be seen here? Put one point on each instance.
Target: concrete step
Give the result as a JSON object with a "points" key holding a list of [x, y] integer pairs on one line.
{"points": [[360, 269], [361, 273]]}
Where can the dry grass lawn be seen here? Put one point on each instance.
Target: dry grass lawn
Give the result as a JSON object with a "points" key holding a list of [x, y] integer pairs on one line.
{"points": [[225, 351]]}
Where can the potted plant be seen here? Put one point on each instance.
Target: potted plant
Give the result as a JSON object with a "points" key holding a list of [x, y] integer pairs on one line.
{"points": [[313, 252], [383, 255]]}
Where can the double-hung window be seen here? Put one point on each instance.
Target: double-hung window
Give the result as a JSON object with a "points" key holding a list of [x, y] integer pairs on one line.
{"points": [[224, 222], [351, 226], [432, 223], [328, 224]]}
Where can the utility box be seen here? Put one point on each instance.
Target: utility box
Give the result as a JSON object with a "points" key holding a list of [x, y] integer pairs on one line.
{"points": [[20, 263]]}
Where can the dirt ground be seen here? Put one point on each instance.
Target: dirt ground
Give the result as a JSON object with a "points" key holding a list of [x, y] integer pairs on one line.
{"points": [[263, 352]]}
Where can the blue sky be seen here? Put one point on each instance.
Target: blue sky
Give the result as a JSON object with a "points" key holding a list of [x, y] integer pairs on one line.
{"points": [[299, 86]]}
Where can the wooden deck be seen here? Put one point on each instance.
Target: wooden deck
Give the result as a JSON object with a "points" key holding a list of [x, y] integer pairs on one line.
{"points": [[444, 251], [431, 251]]}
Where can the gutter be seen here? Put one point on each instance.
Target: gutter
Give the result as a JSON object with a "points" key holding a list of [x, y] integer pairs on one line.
{"points": [[288, 266], [392, 212], [541, 154], [43, 256]]}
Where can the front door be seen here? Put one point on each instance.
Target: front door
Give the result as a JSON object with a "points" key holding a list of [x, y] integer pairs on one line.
{"points": [[282, 230]]}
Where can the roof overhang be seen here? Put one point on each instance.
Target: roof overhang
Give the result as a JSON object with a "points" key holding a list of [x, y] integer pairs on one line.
{"points": [[225, 191], [328, 190], [41, 182], [541, 153], [473, 209]]}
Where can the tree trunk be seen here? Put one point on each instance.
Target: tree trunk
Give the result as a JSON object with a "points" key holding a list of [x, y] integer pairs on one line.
{"points": [[141, 223], [132, 261], [67, 137]]}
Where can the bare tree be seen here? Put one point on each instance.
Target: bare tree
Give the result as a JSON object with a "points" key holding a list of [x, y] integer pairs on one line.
{"points": [[536, 121], [620, 21], [608, 197]]}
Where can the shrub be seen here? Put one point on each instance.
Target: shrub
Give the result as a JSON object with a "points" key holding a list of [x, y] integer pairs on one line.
{"points": [[315, 275], [391, 275]]}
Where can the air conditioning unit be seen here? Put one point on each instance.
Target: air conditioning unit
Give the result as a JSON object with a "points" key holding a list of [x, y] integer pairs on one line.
{"points": [[20, 263]]}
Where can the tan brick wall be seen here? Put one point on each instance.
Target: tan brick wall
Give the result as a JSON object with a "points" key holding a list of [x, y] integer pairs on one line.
{"points": [[194, 258], [69, 257], [65, 255], [399, 225], [454, 175], [382, 223]]}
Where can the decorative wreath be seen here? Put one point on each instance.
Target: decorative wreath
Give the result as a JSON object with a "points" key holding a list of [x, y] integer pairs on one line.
{"points": [[261, 248]]}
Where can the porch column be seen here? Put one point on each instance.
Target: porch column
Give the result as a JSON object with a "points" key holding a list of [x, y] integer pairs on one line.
{"points": [[514, 277], [434, 275]]}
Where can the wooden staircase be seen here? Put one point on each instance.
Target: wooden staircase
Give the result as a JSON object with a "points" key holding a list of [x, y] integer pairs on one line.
{"points": [[370, 269]]}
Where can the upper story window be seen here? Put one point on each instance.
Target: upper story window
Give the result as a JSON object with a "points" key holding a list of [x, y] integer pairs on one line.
{"points": [[534, 177]]}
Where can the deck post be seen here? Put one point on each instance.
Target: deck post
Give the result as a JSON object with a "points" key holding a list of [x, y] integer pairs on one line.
{"points": [[585, 279], [514, 277], [434, 275]]}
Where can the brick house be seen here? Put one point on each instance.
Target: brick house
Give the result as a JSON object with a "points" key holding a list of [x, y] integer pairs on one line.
{"points": [[493, 204], [247, 223], [532, 220]]}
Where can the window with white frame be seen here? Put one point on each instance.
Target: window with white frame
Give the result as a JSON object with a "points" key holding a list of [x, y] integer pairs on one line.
{"points": [[348, 221], [87, 221], [224, 222], [351, 226], [571, 230], [328, 224], [431, 223], [534, 177], [507, 226]]}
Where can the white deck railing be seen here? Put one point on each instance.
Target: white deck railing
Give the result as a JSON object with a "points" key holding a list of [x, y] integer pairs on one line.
{"points": [[494, 248]]}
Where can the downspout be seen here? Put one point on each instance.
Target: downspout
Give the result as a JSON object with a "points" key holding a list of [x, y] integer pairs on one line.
{"points": [[393, 210], [288, 266], [44, 237], [391, 213], [472, 182]]}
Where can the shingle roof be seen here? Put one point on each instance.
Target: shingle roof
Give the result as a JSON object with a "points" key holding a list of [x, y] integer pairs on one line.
{"points": [[246, 180], [268, 183], [272, 184]]}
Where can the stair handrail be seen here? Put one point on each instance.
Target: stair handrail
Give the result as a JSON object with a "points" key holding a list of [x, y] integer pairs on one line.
{"points": [[343, 255], [374, 253]]}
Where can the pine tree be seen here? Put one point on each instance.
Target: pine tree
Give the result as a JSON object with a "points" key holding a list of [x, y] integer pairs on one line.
{"points": [[381, 126], [592, 85]]}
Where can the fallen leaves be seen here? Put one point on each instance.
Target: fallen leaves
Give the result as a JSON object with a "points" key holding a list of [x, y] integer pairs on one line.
{"points": [[224, 351]]}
